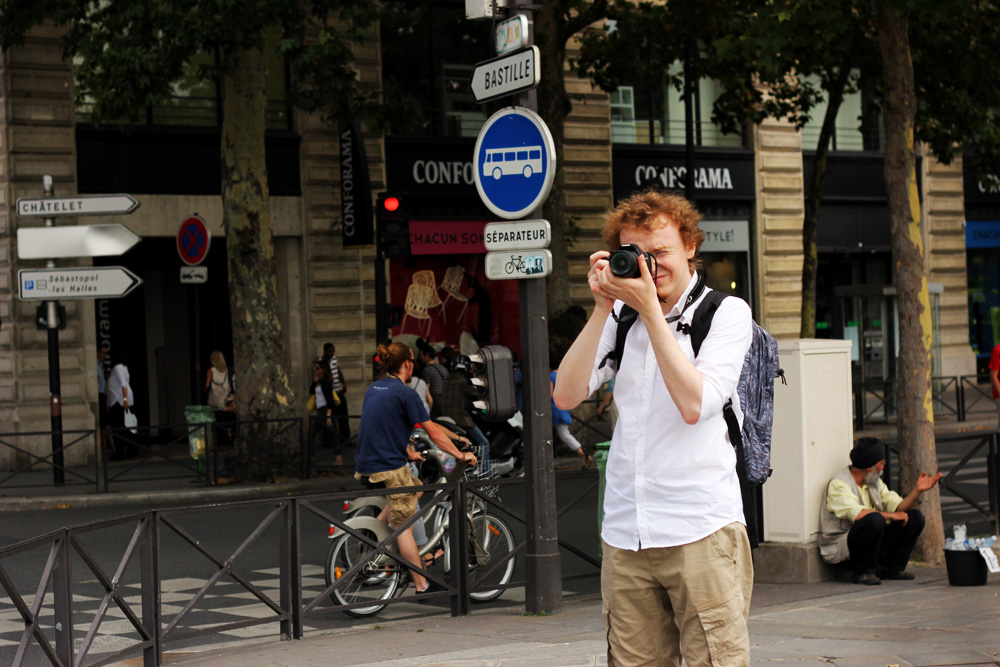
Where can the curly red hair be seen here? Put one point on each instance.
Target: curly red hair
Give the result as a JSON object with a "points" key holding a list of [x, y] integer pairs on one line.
{"points": [[652, 209]]}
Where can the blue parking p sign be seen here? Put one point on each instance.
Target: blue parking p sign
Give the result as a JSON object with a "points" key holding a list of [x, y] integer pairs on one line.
{"points": [[515, 162]]}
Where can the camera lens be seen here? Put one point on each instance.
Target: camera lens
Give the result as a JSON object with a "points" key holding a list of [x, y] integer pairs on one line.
{"points": [[623, 264]]}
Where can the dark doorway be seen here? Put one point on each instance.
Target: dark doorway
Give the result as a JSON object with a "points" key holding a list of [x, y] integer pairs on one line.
{"points": [[169, 329]]}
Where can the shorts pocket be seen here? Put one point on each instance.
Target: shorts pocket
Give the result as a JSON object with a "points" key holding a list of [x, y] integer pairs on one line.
{"points": [[725, 629], [725, 541]]}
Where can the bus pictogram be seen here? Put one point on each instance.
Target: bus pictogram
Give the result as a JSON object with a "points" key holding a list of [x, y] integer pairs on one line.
{"points": [[524, 160]]}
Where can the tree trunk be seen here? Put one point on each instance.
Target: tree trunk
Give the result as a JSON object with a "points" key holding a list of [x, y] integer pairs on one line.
{"points": [[915, 426], [810, 224], [263, 390], [553, 107]]}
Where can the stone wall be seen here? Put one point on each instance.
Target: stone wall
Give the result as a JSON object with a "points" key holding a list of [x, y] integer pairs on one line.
{"points": [[587, 166], [943, 212], [37, 138], [340, 282], [777, 235]]}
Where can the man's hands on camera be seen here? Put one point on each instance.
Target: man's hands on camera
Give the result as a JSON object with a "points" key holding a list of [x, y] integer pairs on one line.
{"points": [[639, 293]]}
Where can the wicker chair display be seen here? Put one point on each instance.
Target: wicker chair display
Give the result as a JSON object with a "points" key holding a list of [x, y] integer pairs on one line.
{"points": [[426, 277], [418, 298], [454, 276]]}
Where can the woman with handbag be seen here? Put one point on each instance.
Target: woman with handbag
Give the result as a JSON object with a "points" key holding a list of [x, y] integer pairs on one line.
{"points": [[220, 386]]}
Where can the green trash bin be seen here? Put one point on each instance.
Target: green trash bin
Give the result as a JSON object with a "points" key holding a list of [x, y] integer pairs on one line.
{"points": [[601, 457], [199, 440]]}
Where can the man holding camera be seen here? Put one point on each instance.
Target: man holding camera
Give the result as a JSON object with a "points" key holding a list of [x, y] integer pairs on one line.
{"points": [[677, 572]]}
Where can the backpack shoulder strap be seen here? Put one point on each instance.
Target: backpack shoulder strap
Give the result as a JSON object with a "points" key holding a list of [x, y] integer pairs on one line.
{"points": [[701, 322], [626, 318]]}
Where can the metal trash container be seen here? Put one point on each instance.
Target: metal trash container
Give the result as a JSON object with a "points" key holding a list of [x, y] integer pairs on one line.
{"points": [[199, 439], [601, 458]]}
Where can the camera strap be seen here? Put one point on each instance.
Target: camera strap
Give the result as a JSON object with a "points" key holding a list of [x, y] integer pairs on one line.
{"points": [[692, 296]]}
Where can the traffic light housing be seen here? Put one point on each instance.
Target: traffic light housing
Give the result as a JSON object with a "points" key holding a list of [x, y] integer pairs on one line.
{"points": [[494, 379], [393, 225]]}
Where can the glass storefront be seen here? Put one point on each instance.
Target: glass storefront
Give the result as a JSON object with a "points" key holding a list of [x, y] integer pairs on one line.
{"points": [[982, 241]]}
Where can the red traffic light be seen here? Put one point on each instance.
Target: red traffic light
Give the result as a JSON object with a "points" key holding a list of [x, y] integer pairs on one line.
{"points": [[391, 203]]}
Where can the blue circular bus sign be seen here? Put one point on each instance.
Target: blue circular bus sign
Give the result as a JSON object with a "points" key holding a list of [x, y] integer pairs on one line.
{"points": [[515, 161]]}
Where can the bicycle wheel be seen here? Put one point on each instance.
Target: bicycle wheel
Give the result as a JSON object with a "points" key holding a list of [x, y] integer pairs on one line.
{"points": [[491, 543], [376, 580]]}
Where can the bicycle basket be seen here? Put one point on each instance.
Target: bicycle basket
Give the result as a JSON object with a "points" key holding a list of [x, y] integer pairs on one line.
{"points": [[483, 470]]}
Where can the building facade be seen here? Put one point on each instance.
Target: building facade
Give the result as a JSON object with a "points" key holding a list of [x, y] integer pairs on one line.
{"points": [[750, 187]]}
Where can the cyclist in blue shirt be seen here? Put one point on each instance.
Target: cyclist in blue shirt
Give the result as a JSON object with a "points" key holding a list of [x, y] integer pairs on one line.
{"points": [[388, 414]]}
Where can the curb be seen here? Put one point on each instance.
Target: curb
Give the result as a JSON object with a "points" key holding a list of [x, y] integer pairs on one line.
{"points": [[176, 496]]}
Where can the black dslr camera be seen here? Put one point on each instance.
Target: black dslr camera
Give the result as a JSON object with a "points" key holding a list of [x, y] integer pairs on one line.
{"points": [[624, 262]]}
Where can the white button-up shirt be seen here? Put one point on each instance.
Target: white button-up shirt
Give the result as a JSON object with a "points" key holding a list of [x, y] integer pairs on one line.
{"points": [[667, 482]]}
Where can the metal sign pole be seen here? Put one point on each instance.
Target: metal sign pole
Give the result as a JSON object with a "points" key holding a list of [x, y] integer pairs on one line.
{"points": [[55, 386], [543, 567]]}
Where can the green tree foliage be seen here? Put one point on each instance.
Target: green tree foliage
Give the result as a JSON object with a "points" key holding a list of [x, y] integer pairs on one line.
{"points": [[774, 59], [128, 54]]}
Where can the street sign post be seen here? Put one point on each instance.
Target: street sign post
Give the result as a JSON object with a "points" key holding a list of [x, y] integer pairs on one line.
{"points": [[51, 283], [83, 241], [120, 204], [505, 75], [514, 162], [92, 282], [520, 235], [518, 264]]}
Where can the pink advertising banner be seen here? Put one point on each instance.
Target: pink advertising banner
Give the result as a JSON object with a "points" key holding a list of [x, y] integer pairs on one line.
{"points": [[446, 237]]}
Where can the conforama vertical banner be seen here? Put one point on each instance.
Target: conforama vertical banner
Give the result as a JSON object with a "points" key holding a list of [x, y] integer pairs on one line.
{"points": [[355, 190]]}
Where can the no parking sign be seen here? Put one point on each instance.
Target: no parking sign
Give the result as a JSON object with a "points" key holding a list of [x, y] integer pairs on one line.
{"points": [[515, 162], [193, 241]]}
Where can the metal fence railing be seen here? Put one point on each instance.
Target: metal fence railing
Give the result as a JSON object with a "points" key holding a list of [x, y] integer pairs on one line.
{"points": [[120, 456], [955, 397], [66, 586], [961, 458], [31, 459]]}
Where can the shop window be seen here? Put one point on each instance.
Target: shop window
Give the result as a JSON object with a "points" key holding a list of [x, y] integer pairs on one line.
{"points": [[851, 132], [174, 147], [428, 53], [984, 299], [654, 113]]}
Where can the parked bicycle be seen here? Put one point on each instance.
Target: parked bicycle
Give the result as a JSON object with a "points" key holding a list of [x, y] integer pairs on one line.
{"points": [[365, 575]]}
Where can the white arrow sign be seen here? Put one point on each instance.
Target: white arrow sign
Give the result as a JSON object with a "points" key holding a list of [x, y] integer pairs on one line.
{"points": [[96, 282], [83, 241], [520, 235], [506, 75], [79, 205], [509, 265]]}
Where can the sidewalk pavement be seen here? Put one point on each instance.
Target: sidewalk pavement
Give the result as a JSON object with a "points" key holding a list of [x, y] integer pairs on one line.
{"points": [[920, 622]]}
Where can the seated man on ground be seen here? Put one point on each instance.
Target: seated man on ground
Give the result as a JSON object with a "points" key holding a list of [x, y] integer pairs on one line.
{"points": [[865, 526]]}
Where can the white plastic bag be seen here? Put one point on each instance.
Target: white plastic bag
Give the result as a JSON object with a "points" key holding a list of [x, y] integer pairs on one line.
{"points": [[131, 421]]}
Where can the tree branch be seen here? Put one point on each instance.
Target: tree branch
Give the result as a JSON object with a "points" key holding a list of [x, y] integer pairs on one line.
{"points": [[595, 11]]}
